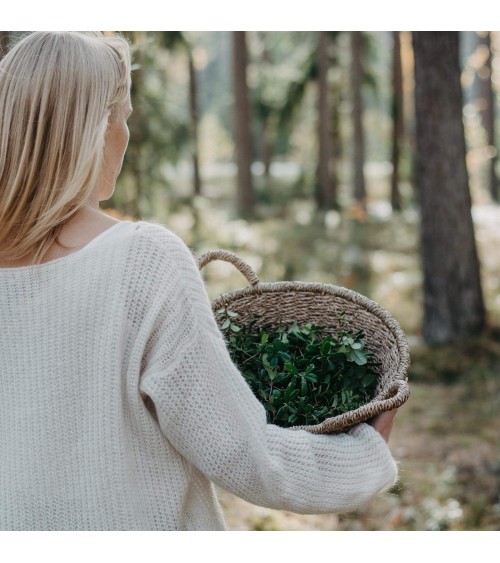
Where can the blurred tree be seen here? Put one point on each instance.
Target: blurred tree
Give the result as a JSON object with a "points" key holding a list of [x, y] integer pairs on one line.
{"points": [[327, 187], [4, 43], [159, 133], [314, 68], [242, 135], [453, 300], [267, 72], [407, 152], [357, 118], [265, 110], [397, 119], [193, 112], [487, 105], [173, 40]]}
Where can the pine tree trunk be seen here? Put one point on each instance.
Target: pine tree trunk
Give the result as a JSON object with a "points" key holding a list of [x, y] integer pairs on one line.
{"points": [[335, 143], [267, 132], [357, 118], [397, 119], [243, 139], [193, 111], [267, 148], [453, 300], [488, 105], [325, 191]]}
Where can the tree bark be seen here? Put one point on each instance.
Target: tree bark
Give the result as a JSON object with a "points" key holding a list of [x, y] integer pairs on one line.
{"points": [[193, 112], [267, 147], [397, 120], [453, 300], [267, 132], [243, 139], [357, 118], [335, 142], [487, 102], [325, 191]]}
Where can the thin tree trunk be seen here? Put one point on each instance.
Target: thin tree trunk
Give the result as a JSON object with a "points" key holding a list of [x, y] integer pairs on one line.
{"points": [[267, 148], [267, 132], [487, 110], [193, 111], [453, 300], [243, 139], [335, 144], [357, 118], [325, 191], [408, 71], [397, 120]]}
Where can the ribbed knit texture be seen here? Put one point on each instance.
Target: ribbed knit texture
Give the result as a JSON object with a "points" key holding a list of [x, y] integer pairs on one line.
{"points": [[120, 407]]}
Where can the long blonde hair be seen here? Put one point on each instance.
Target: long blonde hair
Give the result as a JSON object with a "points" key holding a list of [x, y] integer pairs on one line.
{"points": [[57, 93]]}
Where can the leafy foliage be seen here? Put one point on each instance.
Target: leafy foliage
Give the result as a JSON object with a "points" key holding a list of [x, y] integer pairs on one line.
{"points": [[159, 126], [301, 375]]}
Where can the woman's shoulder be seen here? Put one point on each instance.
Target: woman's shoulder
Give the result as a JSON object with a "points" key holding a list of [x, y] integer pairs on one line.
{"points": [[159, 235], [157, 243]]}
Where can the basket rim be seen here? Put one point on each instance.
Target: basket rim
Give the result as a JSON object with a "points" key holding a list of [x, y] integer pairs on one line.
{"points": [[314, 287], [380, 403]]}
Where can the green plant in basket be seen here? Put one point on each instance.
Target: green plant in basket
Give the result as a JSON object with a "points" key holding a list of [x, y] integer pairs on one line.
{"points": [[301, 374]]}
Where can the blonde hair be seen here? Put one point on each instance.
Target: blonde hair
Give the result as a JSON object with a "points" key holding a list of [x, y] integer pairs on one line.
{"points": [[57, 93]]}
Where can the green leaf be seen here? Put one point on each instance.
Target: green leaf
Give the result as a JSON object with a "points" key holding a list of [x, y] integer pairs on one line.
{"points": [[277, 344], [282, 413], [311, 377], [360, 358], [303, 386], [368, 379], [233, 314], [225, 324], [270, 407], [235, 328]]}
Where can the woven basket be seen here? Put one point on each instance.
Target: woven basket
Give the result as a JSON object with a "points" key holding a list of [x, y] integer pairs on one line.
{"points": [[321, 304]]}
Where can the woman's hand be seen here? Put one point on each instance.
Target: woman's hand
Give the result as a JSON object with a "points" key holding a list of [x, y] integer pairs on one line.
{"points": [[382, 423]]}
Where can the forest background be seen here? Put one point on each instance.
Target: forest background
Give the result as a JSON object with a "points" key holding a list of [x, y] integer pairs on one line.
{"points": [[362, 159]]}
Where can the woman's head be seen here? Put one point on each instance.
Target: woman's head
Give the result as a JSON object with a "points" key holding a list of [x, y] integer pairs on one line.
{"points": [[59, 91]]}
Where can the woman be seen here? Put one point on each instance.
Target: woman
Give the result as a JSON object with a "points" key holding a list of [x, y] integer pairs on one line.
{"points": [[120, 407]]}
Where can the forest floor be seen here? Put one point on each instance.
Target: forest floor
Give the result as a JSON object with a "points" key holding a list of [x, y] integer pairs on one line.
{"points": [[445, 437]]}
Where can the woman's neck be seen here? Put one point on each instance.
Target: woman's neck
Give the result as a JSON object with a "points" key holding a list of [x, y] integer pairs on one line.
{"points": [[88, 223]]}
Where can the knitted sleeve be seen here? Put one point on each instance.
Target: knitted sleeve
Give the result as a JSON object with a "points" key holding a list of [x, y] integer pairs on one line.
{"points": [[208, 412]]}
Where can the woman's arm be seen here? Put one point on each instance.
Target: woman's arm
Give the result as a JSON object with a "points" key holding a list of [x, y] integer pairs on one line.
{"points": [[209, 414]]}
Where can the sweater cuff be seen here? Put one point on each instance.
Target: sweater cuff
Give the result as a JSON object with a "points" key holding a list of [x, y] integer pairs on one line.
{"points": [[388, 466]]}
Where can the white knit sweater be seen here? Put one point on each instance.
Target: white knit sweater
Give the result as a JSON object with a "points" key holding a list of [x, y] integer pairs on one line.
{"points": [[120, 407]]}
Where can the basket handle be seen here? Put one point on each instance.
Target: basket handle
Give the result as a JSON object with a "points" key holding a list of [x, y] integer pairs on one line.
{"points": [[397, 393], [230, 257]]}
